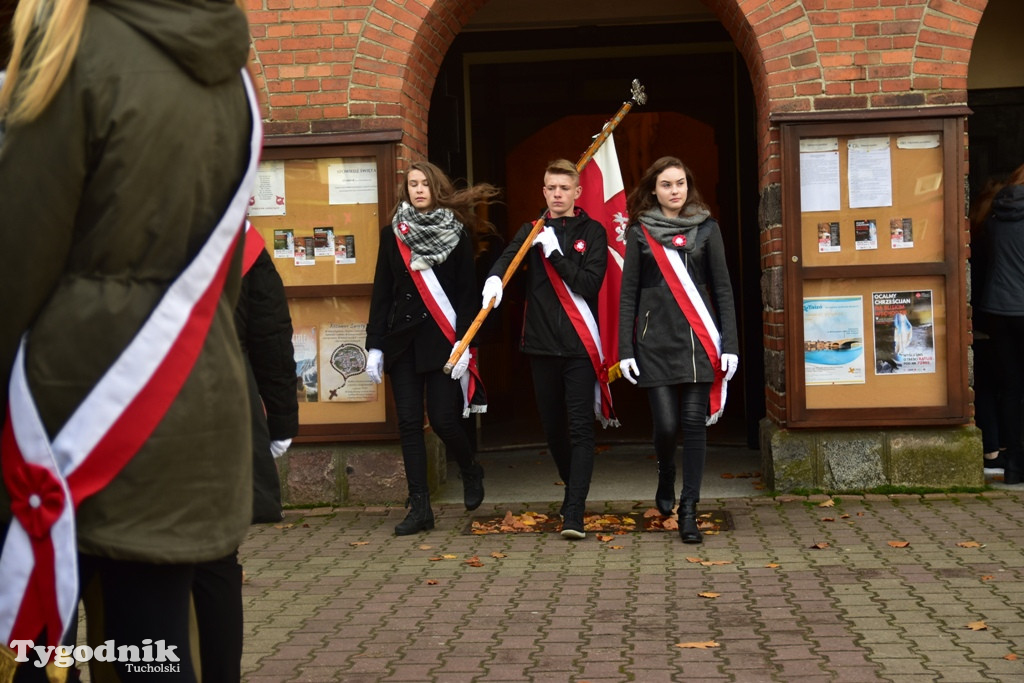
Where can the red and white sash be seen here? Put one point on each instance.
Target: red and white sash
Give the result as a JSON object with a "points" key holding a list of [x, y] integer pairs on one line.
{"points": [[443, 313], [585, 324], [252, 244], [47, 481], [697, 314]]}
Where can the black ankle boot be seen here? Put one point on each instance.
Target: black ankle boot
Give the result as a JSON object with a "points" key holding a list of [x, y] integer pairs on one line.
{"points": [[665, 497], [688, 530], [473, 486], [420, 517]]}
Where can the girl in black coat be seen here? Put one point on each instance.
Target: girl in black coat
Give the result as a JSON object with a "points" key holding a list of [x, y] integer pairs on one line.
{"points": [[677, 325], [427, 248]]}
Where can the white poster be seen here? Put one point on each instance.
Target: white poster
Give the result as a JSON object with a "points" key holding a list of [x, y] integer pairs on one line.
{"points": [[343, 359], [869, 172], [819, 174], [834, 340], [267, 198], [352, 182]]}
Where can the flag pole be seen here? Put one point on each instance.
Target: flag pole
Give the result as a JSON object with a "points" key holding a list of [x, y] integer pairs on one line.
{"points": [[637, 98]]}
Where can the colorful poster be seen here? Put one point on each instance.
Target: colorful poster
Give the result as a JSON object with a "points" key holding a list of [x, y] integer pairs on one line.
{"points": [[901, 233], [343, 360], [304, 343], [904, 335], [284, 243], [268, 198], [305, 251], [345, 250], [828, 237], [323, 241], [834, 340], [865, 234]]}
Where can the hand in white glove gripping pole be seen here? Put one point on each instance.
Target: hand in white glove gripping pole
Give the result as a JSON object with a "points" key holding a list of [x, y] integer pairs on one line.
{"points": [[628, 368], [462, 364], [730, 362], [548, 241], [277, 448], [492, 290], [375, 365]]}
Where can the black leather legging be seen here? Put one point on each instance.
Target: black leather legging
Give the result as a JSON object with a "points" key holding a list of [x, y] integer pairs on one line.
{"points": [[675, 408]]}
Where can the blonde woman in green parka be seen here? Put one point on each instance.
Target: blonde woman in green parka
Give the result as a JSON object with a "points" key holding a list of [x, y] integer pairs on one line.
{"points": [[130, 137]]}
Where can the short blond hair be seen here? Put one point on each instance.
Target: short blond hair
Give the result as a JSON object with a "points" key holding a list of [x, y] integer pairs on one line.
{"points": [[562, 167]]}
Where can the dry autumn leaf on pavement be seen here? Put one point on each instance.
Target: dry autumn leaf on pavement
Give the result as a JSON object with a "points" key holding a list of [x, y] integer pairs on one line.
{"points": [[702, 645], [827, 503], [969, 544], [977, 626], [708, 594], [821, 545], [899, 544]]}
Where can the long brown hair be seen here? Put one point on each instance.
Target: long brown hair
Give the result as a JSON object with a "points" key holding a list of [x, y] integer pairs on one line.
{"points": [[642, 198], [462, 202]]}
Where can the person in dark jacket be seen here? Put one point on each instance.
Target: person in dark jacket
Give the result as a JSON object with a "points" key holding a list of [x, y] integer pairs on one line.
{"points": [[132, 138], [570, 253], [677, 325], [264, 327], [1003, 302], [422, 304]]}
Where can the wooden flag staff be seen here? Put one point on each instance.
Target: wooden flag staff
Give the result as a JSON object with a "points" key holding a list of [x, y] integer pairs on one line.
{"points": [[637, 97]]}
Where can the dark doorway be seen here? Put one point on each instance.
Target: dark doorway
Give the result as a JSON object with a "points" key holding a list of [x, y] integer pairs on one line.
{"points": [[504, 109]]}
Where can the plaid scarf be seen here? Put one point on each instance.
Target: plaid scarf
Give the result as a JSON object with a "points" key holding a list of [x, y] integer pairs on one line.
{"points": [[430, 235]]}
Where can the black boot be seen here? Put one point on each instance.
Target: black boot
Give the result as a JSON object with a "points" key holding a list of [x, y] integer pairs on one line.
{"points": [[688, 530], [665, 497], [473, 485], [1014, 471], [420, 517]]}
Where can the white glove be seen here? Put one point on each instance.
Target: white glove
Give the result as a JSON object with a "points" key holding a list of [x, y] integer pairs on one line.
{"points": [[492, 290], [547, 240], [459, 369], [277, 448], [730, 361], [375, 365], [628, 368]]}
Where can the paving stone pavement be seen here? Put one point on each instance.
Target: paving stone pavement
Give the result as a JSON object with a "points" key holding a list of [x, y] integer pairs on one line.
{"points": [[795, 591]]}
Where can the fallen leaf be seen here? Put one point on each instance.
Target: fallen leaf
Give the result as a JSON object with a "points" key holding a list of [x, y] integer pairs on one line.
{"points": [[694, 560], [616, 547], [728, 475], [431, 582], [651, 512], [771, 565], [844, 516], [474, 562], [828, 519], [714, 563], [435, 559], [670, 523], [359, 543], [283, 526], [860, 514], [987, 577], [899, 544], [498, 555], [426, 547], [826, 503], [703, 646], [449, 557], [977, 626], [969, 544], [1011, 657], [604, 538], [708, 594], [820, 546]]}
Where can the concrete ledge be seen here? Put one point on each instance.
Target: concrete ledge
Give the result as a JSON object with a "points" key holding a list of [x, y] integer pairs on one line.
{"points": [[353, 473], [862, 460]]}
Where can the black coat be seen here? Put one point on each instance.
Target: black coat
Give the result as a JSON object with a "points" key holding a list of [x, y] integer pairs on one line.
{"points": [[653, 329], [547, 330], [264, 327], [399, 320]]}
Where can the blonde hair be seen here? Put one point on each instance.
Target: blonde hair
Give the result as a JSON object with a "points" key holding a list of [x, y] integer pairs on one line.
{"points": [[44, 42], [563, 167], [45, 38]]}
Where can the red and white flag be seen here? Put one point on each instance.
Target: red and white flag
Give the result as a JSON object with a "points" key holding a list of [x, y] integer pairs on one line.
{"points": [[604, 199]]}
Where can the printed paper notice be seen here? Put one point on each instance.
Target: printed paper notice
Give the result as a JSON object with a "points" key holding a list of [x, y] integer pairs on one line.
{"points": [[904, 338], [352, 182], [901, 233], [305, 251], [304, 343], [828, 237], [343, 359], [345, 250], [284, 243], [869, 172], [819, 174], [323, 241], [865, 234], [834, 340], [267, 198]]}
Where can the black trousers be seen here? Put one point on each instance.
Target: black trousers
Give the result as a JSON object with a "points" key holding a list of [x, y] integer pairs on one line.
{"points": [[1006, 332], [675, 408], [564, 391], [443, 397], [217, 596]]}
